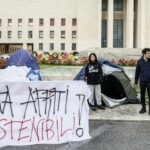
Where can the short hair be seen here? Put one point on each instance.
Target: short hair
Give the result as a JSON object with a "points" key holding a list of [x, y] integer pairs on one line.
{"points": [[145, 50]]}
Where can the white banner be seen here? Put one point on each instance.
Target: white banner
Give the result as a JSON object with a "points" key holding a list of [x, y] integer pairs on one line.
{"points": [[47, 112]]}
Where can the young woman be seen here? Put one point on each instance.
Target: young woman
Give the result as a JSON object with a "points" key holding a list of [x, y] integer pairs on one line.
{"points": [[94, 77]]}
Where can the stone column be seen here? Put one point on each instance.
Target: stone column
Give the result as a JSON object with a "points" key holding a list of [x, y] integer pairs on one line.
{"points": [[110, 24], [141, 24], [99, 34], [25, 46], [129, 24]]}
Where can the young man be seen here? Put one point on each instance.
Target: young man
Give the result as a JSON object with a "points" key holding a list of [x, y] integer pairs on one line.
{"points": [[142, 73], [94, 75]]}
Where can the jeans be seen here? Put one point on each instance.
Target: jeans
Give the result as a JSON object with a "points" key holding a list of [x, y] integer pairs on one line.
{"points": [[143, 87]]}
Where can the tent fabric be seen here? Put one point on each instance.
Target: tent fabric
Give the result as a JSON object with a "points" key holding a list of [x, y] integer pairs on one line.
{"points": [[108, 63], [125, 82], [110, 102], [34, 75], [116, 87], [112, 87], [18, 73], [109, 69], [22, 57], [14, 73]]}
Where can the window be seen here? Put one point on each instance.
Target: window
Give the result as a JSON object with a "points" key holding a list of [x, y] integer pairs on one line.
{"points": [[52, 22], [41, 22], [9, 22], [0, 22], [40, 46], [62, 46], [9, 34], [74, 46], [51, 34], [104, 5], [51, 46], [40, 34], [30, 22], [74, 22], [19, 22], [30, 35], [0, 34], [63, 22], [19, 34], [118, 34], [104, 33], [63, 34], [74, 34], [118, 5]]}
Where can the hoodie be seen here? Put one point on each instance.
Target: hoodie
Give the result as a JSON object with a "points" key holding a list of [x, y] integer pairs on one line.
{"points": [[93, 71]]}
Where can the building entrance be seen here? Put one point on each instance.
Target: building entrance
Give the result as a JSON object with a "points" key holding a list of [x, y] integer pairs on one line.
{"points": [[11, 47]]}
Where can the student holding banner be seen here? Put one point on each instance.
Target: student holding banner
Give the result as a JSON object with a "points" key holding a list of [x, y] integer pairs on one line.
{"points": [[94, 77]]}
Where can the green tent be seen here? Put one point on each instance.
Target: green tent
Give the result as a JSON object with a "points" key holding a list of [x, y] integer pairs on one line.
{"points": [[116, 88]]}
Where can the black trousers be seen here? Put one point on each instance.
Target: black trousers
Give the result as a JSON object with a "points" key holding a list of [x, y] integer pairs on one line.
{"points": [[143, 87]]}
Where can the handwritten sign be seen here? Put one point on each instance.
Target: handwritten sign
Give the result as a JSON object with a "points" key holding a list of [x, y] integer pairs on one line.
{"points": [[47, 112]]}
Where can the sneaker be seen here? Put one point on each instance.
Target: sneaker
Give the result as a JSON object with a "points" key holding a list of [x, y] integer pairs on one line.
{"points": [[101, 107], [142, 111], [93, 107]]}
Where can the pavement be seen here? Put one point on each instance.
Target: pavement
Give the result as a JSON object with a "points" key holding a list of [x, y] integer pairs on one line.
{"points": [[127, 112], [105, 135]]}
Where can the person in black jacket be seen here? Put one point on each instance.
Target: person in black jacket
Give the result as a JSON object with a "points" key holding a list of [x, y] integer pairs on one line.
{"points": [[142, 73], [94, 77]]}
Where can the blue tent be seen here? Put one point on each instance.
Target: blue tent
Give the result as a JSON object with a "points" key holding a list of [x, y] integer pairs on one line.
{"points": [[80, 75], [23, 57]]}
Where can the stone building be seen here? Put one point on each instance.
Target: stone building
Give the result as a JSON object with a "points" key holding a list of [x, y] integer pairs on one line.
{"points": [[74, 25]]}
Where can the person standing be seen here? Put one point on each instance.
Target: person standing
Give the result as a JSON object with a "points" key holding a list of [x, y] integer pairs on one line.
{"points": [[94, 77], [142, 73]]}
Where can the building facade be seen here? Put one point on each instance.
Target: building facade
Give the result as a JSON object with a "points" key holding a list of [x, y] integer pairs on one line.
{"points": [[74, 25]]}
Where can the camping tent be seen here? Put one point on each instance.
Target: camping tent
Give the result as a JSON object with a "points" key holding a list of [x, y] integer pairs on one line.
{"points": [[116, 87], [23, 57]]}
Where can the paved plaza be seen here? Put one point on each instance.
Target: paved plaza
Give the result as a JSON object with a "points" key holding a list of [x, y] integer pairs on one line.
{"points": [[105, 135]]}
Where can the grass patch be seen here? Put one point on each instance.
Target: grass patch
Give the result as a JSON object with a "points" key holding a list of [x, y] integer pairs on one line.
{"points": [[45, 66]]}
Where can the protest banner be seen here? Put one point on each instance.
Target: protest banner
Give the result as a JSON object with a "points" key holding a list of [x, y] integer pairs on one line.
{"points": [[45, 112]]}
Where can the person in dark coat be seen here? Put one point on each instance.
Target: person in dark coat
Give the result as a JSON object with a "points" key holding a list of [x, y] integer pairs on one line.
{"points": [[142, 73], [94, 78]]}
